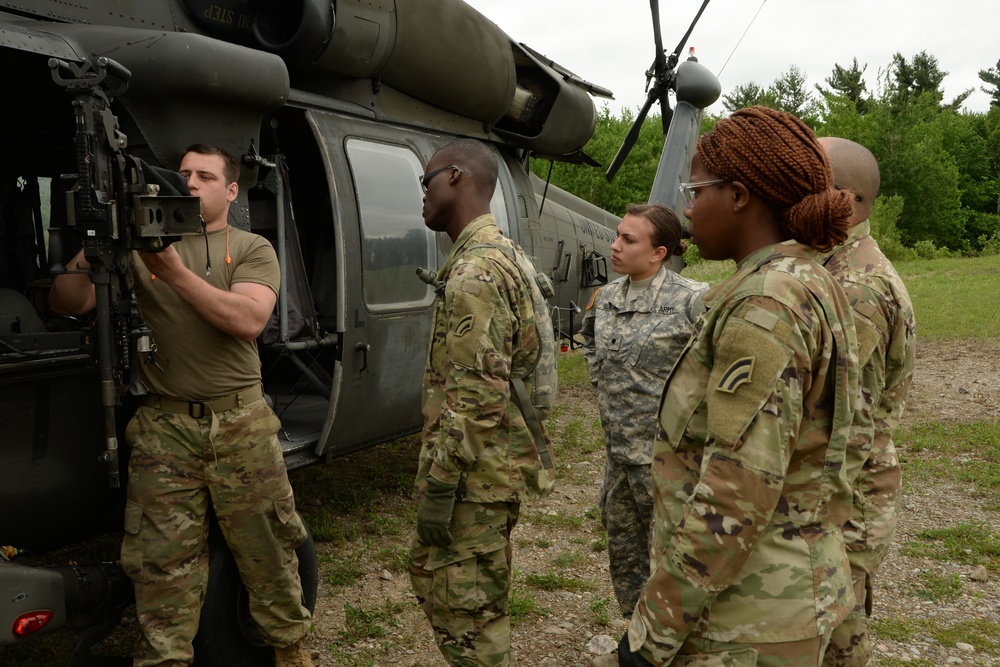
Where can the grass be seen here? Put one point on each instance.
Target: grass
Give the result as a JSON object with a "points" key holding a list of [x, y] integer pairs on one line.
{"points": [[370, 622], [982, 634], [523, 607], [954, 298], [961, 453], [601, 608], [966, 543], [556, 581], [938, 588]]}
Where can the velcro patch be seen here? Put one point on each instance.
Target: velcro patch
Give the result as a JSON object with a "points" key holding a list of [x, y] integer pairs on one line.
{"points": [[730, 412], [739, 371]]}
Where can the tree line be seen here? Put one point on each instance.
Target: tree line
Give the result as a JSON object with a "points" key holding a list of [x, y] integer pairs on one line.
{"points": [[940, 165]]}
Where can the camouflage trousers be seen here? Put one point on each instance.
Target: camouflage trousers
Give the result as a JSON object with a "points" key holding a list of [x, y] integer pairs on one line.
{"points": [[180, 467], [701, 652], [850, 645], [626, 503], [464, 588]]}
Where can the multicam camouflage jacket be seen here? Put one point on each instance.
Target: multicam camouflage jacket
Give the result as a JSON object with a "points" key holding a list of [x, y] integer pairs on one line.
{"points": [[630, 348], [484, 329], [748, 477], [886, 329]]}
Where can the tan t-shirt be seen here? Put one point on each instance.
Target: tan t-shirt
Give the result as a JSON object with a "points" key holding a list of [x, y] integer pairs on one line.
{"points": [[200, 362]]}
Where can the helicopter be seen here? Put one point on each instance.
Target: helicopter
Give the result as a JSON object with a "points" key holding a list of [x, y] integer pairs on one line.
{"points": [[334, 110]]}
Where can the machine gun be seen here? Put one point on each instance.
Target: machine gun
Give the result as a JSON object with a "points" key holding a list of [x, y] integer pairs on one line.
{"points": [[117, 203]]}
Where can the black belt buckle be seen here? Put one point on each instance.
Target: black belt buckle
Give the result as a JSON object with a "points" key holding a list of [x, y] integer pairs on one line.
{"points": [[196, 406]]}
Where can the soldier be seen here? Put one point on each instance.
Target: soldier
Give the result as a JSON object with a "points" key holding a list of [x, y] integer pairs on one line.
{"points": [[748, 560], [886, 349], [478, 460], [203, 437], [635, 329]]}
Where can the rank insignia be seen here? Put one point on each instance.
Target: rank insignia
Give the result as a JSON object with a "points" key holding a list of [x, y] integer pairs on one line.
{"points": [[739, 372]]}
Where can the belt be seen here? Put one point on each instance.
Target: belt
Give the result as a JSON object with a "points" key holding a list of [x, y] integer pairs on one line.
{"points": [[198, 409]]}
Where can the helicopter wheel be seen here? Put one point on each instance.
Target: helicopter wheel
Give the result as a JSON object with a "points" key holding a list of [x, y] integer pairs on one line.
{"points": [[227, 634]]}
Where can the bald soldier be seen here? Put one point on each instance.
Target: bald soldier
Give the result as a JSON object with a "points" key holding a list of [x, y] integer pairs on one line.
{"points": [[886, 345], [478, 460]]}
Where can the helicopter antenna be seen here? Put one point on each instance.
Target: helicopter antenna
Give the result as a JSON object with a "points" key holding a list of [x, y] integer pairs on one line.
{"points": [[740, 40], [660, 80]]}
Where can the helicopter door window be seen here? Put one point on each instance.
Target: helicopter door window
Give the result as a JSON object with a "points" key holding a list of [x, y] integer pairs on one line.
{"points": [[395, 241]]}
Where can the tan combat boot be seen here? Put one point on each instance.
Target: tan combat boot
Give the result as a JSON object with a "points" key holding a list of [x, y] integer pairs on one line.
{"points": [[293, 655]]}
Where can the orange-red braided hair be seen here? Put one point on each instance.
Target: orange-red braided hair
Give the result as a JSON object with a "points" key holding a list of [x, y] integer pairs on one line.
{"points": [[777, 157]]}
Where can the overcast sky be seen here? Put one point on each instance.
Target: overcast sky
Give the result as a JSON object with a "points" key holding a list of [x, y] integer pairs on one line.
{"points": [[610, 42]]}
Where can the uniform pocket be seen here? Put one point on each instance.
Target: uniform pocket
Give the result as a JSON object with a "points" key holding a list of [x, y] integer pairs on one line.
{"points": [[290, 529], [131, 553]]}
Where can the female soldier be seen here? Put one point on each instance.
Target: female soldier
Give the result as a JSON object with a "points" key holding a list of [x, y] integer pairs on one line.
{"points": [[635, 329], [748, 560]]}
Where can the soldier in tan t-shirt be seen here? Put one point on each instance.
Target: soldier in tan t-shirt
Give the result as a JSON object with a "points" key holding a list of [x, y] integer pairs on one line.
{"points": [[203, 436]]}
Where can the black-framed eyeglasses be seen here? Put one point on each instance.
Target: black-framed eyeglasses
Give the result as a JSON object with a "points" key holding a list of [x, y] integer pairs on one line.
{"points": [[426, 178], [689, 190]]}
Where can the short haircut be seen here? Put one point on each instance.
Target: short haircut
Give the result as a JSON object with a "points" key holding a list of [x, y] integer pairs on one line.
{"points": [[230, 166], [476, 159]]}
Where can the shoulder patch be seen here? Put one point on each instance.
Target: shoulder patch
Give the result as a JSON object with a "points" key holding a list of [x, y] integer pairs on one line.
{"points": [[739, 371], [593, 298]]}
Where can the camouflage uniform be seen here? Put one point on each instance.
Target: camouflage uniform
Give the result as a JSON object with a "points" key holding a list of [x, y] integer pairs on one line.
{"points": [[886, 349], [221, 451], [474, 435], [749, 487], [631, 346]]}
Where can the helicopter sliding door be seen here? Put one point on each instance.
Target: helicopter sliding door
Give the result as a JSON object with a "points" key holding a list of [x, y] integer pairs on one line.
{"points": [[382, 308]]}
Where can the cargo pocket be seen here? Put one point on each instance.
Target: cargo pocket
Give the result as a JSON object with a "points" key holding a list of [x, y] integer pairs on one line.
{"points": [[131, 554], [289, 529]]}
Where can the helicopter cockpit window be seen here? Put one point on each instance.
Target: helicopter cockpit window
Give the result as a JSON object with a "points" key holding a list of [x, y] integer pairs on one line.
{"points": [[394, 239]]}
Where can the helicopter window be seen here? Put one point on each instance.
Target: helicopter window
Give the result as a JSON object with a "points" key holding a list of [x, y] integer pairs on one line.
{"points": [[395, 241]]}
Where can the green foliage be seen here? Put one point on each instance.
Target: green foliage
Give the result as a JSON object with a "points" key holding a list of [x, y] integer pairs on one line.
{"points": [[601, 607], [569, 559], [555, 581], [886, 212], [954, 298], [522, 607], [369, 622], [966, 453], [340, 571], [982, 634], [966, 543], [938, 588]]}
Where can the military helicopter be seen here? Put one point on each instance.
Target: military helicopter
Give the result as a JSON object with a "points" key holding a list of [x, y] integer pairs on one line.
{"points": [[334, 110]]}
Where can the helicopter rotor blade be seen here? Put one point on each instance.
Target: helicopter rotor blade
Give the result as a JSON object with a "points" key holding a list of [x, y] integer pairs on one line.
{"points": [[660, 60], [633, 135]]}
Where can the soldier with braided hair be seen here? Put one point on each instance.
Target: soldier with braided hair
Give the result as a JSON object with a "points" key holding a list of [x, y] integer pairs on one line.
{"points": [[748, 564]]}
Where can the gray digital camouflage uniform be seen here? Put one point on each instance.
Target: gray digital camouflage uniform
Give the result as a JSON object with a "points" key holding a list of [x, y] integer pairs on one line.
{"points": [[475, 436], [630, 348], [886, 351], [749, 486]]}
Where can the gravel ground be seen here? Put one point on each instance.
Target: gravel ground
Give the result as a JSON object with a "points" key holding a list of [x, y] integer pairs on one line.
{"points": [[366, 615], [954, 382]]}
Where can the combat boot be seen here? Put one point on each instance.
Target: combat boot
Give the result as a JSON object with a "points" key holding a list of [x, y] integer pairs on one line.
{"points": [[608, 660], [293, 655]]}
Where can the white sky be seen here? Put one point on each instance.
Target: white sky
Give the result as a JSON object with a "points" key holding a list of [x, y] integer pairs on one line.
{"points": [[610, 43]]}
